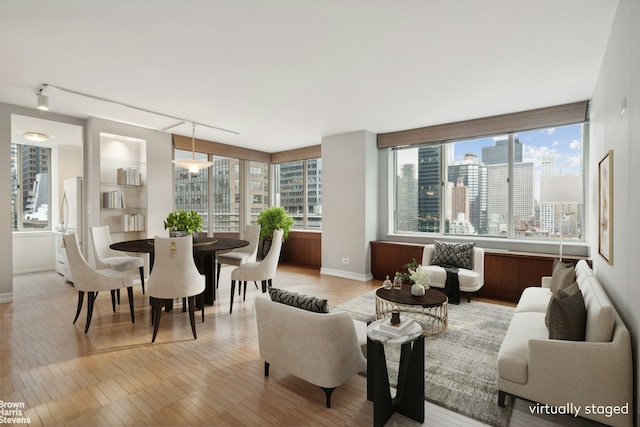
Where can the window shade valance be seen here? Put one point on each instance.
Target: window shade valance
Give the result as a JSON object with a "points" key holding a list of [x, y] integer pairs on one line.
{"points": [[219, 149], [506, 123]]}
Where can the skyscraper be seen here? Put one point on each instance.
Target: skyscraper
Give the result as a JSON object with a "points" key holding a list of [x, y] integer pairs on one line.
{"points": [[406, 202], [474, 177], [429, 188], [499, 153]]}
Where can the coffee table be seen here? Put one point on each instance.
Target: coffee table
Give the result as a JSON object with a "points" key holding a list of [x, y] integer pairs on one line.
{"points": [[430, 310]]}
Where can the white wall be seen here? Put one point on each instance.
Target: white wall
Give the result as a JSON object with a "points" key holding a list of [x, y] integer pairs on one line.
{"points": [[350, 199], [619, 78]]}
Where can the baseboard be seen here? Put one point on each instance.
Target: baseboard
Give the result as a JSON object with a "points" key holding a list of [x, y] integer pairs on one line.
{"points": [[346, 274], [6, 297]]}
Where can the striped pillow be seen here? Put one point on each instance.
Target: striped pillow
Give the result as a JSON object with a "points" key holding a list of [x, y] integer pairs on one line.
{"points": [[306, 302]]}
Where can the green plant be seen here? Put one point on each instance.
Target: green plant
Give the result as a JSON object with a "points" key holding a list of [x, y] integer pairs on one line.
{"points": [[273, 218], [413, 265], [181, 220]]}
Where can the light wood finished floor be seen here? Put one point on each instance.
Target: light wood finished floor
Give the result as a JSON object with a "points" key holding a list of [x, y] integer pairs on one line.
{"points": [[113, 375]]}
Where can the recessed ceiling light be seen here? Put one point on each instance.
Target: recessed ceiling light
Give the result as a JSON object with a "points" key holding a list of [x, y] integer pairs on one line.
{"points": [[36, 136]]}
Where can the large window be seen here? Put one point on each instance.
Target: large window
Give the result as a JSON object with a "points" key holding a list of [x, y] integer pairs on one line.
{"points": [[299, 191], [30, 190], [215, 193], [489, 186]]}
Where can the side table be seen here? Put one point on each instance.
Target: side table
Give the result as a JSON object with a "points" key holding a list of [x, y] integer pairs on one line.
{"points": [[409, 399]]}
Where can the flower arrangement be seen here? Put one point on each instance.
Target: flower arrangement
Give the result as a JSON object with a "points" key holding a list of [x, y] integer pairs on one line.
{"points": [[420, 276]]}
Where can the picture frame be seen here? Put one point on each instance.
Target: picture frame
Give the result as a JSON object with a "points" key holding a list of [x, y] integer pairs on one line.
{"points": [[605, 207]]}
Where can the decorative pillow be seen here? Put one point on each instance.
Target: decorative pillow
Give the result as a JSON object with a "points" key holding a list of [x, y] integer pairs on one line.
{"points": [[557, 264], [453, 254], [567, 315], [562, 277], [305, 302]]}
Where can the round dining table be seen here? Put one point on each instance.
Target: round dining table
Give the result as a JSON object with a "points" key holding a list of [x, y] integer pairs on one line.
{"points": [[204, 256]]}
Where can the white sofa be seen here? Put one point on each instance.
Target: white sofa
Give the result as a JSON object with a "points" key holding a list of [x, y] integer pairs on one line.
{"points": [[591, 377], [470, 280], [325, 349]]}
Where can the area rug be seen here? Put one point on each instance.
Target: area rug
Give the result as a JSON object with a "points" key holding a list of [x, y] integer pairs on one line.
{"points": [[461, 363]]}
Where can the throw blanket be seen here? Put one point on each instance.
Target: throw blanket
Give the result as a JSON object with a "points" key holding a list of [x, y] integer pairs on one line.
{"points": [[452, 285]]}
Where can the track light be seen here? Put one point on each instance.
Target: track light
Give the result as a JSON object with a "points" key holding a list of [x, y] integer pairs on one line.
{"points": [[43, 100]]}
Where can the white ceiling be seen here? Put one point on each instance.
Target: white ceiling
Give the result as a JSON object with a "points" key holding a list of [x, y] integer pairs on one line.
{"points": [[285, 73]]}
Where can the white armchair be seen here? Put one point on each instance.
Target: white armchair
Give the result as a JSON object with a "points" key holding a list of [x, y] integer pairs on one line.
{"points": [[108, 258], [321, 348], [470, 280]]}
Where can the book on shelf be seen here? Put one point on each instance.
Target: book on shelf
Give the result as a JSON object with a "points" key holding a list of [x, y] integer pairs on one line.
{"points": [[128, 176]]}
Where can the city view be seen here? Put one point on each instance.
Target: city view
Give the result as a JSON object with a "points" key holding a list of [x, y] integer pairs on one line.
{"points": [[472, 193]]}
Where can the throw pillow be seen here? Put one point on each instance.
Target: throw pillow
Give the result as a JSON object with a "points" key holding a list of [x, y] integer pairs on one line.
{"points": [[562, 277], [305, 302], [557, 264], [453, 254], [567, 315]]}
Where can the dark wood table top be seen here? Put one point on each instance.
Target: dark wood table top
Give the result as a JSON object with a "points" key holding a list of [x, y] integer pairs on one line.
{"points": [[200, 244], [431, 298]]}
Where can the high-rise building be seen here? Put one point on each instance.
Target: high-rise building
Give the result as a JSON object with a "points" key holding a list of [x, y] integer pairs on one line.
{"points": [[460, 201], [429, 188], [499, 153], [406, 202], [498, 197], [474, 177], [547, 210]]}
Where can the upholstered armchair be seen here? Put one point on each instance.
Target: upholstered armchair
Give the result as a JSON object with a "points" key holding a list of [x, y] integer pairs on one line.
{"points": [[321, 348], [471, 280]]}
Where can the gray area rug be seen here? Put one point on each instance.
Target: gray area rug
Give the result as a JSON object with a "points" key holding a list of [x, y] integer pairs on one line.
{"points": [[461, 363]]}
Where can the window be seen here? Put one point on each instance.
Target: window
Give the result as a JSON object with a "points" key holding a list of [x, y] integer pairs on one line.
{"points": [[216, 193], [192, 190], [299, 191], [30, 191], [489, 186]]}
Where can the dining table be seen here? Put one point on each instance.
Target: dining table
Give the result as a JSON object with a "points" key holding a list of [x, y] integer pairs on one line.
{"points": [[204, 256]]}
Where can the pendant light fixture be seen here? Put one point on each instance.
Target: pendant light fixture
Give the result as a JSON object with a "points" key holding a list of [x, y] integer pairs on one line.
{"points": [[193, 165]]}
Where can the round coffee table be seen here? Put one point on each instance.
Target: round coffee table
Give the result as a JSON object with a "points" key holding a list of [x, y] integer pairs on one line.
{"points": [[430, 310]]}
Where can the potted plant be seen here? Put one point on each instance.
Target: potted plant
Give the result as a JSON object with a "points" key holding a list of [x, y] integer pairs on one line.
{"points": [[182, 223], [270, 220]]}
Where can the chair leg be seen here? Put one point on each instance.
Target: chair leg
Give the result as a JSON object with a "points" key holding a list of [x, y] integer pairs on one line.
{"points": [[130, 294], [266, 369], [118, 294], [113, 299], [156, 310], [80, 300], [90, 301], [256, 283], [142, 278], [327, 392], [218, 273], [244, 296], [192, 302], [233, 291], [202, 305]]}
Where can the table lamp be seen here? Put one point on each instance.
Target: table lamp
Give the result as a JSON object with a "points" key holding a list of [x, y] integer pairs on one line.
{"points": [[561, 189]]}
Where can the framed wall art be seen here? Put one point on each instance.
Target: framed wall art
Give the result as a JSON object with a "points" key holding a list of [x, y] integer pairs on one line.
{"points": [[605, 207]]}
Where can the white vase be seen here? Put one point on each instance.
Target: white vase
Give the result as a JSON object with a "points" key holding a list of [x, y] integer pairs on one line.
{"points": [[417, 290]]}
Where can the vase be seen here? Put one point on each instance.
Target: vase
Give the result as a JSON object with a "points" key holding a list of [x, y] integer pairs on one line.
{"points": [[417, 290], [178, 233]]}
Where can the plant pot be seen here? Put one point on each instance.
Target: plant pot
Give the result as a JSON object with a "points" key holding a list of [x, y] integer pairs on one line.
{"points": [[178, 233], [417, 290]]}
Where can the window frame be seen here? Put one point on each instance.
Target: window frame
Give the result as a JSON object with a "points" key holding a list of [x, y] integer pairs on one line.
{"points": [[509, 242]]}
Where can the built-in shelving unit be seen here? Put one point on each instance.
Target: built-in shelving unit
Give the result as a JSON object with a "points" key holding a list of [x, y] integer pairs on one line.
{"points": [[123, 198]]}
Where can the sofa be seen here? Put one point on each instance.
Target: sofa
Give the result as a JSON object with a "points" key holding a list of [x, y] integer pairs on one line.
{"points": [[590, 378], [325, 349], [470, 279]]}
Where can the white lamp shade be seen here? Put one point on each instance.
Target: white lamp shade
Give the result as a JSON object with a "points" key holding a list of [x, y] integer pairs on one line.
{"points": [[561, 189]]}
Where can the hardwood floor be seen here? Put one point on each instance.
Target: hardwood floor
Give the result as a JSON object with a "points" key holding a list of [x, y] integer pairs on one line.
{"points": [[113, 375]]}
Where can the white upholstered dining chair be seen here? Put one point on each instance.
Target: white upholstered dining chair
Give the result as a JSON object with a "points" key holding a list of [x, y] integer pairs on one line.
{"points": [[174, 275], [263, 271], [106, 257], [242, 255], [87, 279]]}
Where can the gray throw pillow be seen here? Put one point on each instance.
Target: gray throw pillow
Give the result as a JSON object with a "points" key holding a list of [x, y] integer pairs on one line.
{"points": [[453, 254], [567, 315], [305, 302], [561, 278]]}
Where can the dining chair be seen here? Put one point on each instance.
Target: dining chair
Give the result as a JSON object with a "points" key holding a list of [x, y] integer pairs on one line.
{"points": [[244, 254], [174, 275], [87, 279], [106, 257], [264, 270]]}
